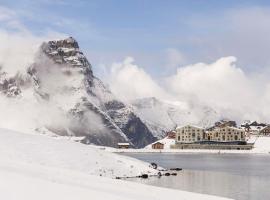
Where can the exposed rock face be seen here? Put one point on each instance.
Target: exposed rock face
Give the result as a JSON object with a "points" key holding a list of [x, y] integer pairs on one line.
{"points": [[78, 103], [10, 86], [129, 123]]}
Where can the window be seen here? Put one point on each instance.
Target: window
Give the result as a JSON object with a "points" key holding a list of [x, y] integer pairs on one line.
{"points": [[204, 135], [178, 138]]}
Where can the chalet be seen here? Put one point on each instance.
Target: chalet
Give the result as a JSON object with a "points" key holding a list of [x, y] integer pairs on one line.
{"points": [[123, 145], [265, 131], [221, 124], [157, 145], [252, 128], [171, 134], [224, 123]]}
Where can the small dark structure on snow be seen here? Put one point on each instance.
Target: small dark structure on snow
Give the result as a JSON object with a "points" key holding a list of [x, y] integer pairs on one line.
{"points": [[123, 145], [157, 145]]}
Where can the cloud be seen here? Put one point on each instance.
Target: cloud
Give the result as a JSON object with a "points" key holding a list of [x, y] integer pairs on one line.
{"points": [[17, 51], [221, 85], [214, 82], [18, 43], [128, 81]]}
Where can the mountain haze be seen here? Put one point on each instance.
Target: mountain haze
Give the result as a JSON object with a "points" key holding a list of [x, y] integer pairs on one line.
{"points": [[71, 101]]}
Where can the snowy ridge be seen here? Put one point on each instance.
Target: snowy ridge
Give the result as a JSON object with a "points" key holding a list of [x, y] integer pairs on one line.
{"points": [[162, 116]]}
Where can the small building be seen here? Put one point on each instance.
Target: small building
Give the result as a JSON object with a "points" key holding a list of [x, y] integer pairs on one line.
{"points": [[171, 134], [157, 145], [265, 131], [224, 123], [252, 128], [123, 145], [189, 134]]}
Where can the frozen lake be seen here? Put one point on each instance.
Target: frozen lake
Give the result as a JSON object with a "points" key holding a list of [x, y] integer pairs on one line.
{"points": [[237, 176]]}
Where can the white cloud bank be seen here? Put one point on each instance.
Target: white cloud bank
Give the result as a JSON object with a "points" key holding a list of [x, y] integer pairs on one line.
{"points": [[18, 43], [128, 81], [221, 85]]}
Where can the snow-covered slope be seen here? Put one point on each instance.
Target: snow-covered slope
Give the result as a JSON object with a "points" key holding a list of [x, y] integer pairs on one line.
{"points": [[59, 93], [161, 116], [58, 153], [42, 167]]}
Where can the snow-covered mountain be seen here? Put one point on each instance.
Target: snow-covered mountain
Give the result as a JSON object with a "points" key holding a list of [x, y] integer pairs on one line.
{"points": [[65, 98], [162, 116], [59, 94]]}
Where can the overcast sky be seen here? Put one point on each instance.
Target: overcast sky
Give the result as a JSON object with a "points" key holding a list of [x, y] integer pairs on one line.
{"points": [[214, 52]]}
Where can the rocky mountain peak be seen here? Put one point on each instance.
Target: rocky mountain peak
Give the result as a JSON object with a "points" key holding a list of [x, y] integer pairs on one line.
{"points": [[68, 100], [67, 51]]}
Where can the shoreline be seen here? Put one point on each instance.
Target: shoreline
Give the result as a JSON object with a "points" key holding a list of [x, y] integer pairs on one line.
{"points": [[261, 147], [187, 151]]}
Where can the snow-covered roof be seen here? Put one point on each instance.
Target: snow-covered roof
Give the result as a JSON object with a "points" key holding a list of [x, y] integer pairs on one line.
{"points": [[123, 143], [265, 127], [194, 126], [167, 142]]}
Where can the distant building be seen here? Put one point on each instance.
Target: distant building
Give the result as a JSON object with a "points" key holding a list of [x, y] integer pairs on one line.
{"points": [[157, 145], [189, 134], [218, 137], [171, 134], [265, 131], [226, 134], [252, 128], [123, 145], [224, 123]]}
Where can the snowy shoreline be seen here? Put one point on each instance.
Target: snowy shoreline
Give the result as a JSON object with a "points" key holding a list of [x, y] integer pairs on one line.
{"points": [[187, 151], [261, 146]]}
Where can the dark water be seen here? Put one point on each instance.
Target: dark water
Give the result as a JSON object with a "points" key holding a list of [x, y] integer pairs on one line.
{"points": [[236, 176]]}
